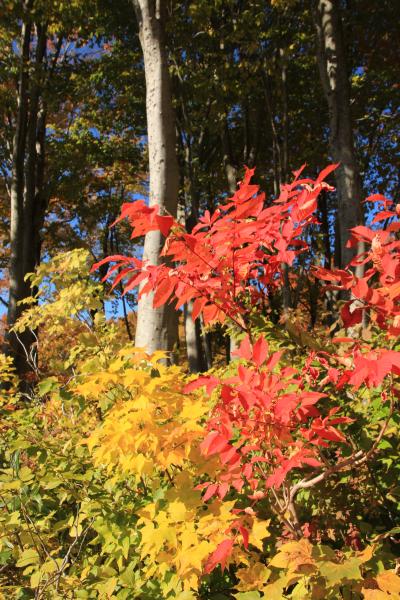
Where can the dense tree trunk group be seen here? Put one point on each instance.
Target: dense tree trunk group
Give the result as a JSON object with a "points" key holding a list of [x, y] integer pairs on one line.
{"points": [[270, 85], [28, 197]]}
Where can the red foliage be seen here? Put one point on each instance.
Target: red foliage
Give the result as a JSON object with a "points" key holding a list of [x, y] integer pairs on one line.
{"points": [[232, 259], [266, 425]]}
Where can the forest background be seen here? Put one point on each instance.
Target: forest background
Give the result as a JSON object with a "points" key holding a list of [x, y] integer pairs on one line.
{"points": [[106, 103]]}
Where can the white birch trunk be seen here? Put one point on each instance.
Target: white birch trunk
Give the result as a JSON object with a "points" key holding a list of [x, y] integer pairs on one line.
{"points": [[157, 328]]}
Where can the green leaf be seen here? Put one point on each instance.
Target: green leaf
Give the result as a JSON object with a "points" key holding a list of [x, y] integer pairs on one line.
{"points": [[52, 483], [47, 385], [338, 573], [28, 557], [12, 518], [25, 474], [35, 579], [5, 555]]}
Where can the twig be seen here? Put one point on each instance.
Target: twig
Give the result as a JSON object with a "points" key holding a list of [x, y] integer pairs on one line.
{"points": [[356, 459]]}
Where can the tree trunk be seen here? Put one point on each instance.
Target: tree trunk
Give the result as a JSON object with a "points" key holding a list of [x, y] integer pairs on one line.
{"points": [[194, 346], [24, 226], [27, 195], [230, 168], [331, 58], [157, 328], [231, 178], [193, 341], [280, 157]]}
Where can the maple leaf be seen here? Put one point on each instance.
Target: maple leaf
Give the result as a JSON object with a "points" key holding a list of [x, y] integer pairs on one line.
{"points": [[164, 223], [219, 556]]}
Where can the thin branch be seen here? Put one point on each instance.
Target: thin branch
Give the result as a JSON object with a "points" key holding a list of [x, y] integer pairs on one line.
{"points": [[355, 460]]}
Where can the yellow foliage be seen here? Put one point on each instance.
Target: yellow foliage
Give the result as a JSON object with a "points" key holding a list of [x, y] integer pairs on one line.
{"points": [[317, 569], [7, 376], [294, 555], [152, 432], [152, 426], [180, 536], [258, 533], [386, 587], [252, 577], [65, 291]]}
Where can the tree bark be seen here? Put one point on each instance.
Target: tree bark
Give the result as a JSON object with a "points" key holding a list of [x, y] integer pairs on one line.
{"points": [[194, 347], [193, 341], [229, 163], [27, 190], [331, 59], [16, 275], [27, 178], [157, 328], [231, 178], [280, 157]]}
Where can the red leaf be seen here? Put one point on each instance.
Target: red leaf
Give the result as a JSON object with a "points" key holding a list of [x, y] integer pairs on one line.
{"points": [[363, 233], [211, 490], [223, 489], [213, 443], [245, 536], [210, 313], [331, 434], [131, 209], [209, 382], [394, 226], [248, 174], [164, 224], [260, 351], [120, 276], [190, 240], [198, 306], [383, 215], [244, 350], [274, 359], [228, 454], [134, 281], [163, 292], [113, 258], [325, 172], [299, 171], [220, 555], [351, 318], [185, 296], [379, 198]]}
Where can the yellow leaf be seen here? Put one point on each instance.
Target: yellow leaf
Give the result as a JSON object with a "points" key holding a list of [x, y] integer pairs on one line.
{"points": [[177, 511], [148, 512], [193, 557], [252, 577], [258, 532], [193, 411], [274, 591], [293, 555], [388, 581], [372, 594]]}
